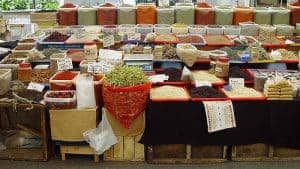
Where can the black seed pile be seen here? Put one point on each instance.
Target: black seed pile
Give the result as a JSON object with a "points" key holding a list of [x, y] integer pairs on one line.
{"points": [[237, 72], [174, 74], [205, 92]]}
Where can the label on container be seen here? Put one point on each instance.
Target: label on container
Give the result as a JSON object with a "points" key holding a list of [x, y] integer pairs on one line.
{"points": [[108, 40], [219, 115], [237, 82], [36, 86], [64, 64], [200, 83]]}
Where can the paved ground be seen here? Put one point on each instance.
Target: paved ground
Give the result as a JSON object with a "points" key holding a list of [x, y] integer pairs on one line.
{"points": [[82, 163]]}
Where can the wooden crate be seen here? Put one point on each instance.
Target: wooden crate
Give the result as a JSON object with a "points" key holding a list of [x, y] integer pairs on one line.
{"points": [[127, 149], [286, 154], [252, 152], [82, 150], [181, 153], [70, 124], [34, 121]]}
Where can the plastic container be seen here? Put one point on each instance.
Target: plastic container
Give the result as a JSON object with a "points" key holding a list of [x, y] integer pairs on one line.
{"points": [[27, 48], [222, 67], [262, 16], [214, 30], [232, 30], [126, 28], [243, 14], [180, 29], [280, 15], [204, 16], [87, 16], [107, 14], [126, 14], [5, 78], [249, 29], [67, 14], [113, 29], [165, 15], [41, 74], [60, 100], [63, 80], [184, 13], [285, 30], [162, 28], [144, 28], [223, 16], [146, 13], [90, 51], [197, 29], [24, 72], [295, 13]]}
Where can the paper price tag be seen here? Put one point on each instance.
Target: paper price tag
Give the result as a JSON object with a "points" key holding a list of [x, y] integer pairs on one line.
{"points": [[94, 67], [36, 86], [108, 40], [237, 82], [202, 83], [64, 64]]}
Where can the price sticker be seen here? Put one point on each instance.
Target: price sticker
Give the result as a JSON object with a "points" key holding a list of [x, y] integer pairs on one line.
{"points": [[36, 86], [108, 40], [64, 64], [200, 83], [237, 82]]}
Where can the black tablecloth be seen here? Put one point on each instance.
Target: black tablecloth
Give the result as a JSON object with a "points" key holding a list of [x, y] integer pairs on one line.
{"points": [[270, 122]]}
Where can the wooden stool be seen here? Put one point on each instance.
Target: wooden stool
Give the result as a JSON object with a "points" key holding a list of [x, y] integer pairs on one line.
{"points": [[83, 150]]}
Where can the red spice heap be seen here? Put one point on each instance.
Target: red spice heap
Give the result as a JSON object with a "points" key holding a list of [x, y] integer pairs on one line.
{"points": [[66, 75], [60, 94]]}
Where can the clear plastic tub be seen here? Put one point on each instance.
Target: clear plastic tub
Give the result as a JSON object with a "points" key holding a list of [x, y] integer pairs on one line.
{"points": [[197, 29], [63, 80], [180, 29], [60, 99], [232, 30], [5, 78], [162, 28], [144, 28], [249, 29], [214, 30], [126, 28], [113, 29]]}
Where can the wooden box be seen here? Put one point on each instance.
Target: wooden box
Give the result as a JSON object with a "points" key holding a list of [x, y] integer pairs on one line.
{"points": [[82, 150], [33, 121], [181, 153], [252, 152], [127, 149], [286, 154], [70, 124]]}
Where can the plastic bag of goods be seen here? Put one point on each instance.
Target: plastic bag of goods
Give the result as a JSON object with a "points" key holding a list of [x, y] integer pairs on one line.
{"points": [[223, 16], [204, 14], [280, 15], [243, 14], [102, 137], [184, 13], [146, 13], [87, 16], [165, 15], [85, 91], [107, 14], [5, 78], [67, 14], [126, 14], [187, 53]]}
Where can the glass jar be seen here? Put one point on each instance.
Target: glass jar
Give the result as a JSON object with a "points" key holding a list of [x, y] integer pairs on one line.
{"points": [[24, 72], [222, 67], [158, 52], [90, 51]]}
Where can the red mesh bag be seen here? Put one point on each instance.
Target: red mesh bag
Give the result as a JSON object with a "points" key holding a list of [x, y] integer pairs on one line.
{"points": [[204, 14], [107, 14], [67, 14], [295, 13], [126, 103]]}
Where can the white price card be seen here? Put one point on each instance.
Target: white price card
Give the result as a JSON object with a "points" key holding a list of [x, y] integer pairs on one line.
{"points": [[237, 82], [64, 64], [108, 40], [36, 86], [110, 54], [94, 67], [200, 83], [219, 115]]}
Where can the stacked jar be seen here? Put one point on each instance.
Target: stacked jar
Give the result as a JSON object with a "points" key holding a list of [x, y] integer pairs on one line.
{"points": [[24, 72]]}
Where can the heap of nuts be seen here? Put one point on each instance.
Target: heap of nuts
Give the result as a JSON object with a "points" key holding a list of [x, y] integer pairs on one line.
{"points": [[56, 37]]}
